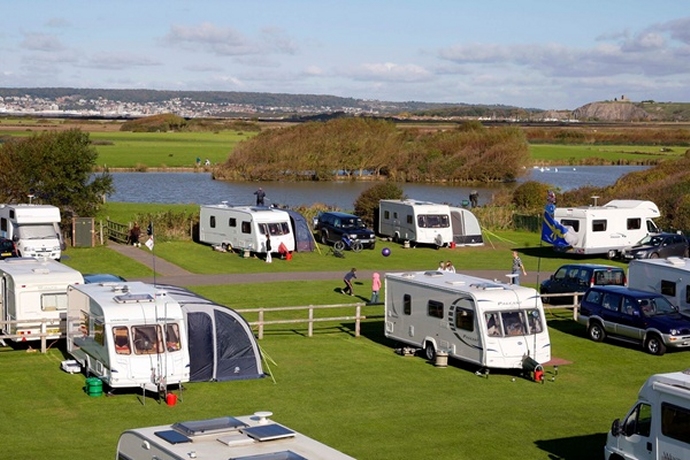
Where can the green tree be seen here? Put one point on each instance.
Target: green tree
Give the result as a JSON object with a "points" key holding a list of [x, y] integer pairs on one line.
{"points": [[367, 204], [54, 168]]}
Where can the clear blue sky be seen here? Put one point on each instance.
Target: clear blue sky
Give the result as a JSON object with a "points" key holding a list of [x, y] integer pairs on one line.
{"points": [[529, 53]]}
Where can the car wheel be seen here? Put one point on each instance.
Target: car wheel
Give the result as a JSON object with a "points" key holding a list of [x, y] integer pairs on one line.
{"points": [[596, 331], [339, 245], [372, 246], [654, 345], [324, 237], [654, 255], [430, 351]]}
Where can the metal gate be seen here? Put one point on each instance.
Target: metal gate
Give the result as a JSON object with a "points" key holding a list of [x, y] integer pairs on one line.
{"points": [[83, 232]]}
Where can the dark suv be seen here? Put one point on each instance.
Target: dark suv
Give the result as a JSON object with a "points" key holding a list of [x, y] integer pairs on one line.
{"points": [[658, 245], [579, 278], [331, 226], [7, 248], [631, 314]]}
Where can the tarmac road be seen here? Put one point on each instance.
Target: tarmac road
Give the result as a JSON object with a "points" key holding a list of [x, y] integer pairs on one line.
{"points": [[177, 276]]}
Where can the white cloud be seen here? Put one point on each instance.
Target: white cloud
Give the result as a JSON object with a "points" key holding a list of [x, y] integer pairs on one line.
{"points": [[389, 71], [41, 42]]}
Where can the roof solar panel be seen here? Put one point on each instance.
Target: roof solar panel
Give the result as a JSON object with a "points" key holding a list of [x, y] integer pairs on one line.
{"points": [[172, 436], [210, 426], [268, 432]]}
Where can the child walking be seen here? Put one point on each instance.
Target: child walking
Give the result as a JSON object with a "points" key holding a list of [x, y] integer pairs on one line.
{"points": [[375, 287]]}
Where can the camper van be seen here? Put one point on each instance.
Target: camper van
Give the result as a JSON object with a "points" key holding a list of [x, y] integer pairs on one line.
{"points": [[245, 227], [607, 229], [488, 323], [670, 277], [658, 425], [249, 437], [33, 228], [128, 334], [34, 290], [418, 222]]}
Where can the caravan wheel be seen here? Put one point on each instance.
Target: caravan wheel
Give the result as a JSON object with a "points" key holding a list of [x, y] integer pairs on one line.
{"points": [[430, 351]]}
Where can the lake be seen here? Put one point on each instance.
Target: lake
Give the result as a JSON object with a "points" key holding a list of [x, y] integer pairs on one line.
{"points": [[199, 188]]}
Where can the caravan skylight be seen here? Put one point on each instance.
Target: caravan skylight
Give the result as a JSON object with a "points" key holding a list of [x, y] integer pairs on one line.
{"points": [[214, 425], [133, 298], [268, 432], [486, 286]]}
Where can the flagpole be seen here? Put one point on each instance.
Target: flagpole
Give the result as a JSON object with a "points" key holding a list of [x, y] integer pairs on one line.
{"points": [[150, 244]]}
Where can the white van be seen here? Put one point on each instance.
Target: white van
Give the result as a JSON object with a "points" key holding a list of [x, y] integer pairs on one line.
{"points": [[670, 277], [419, 222], [658, 425], [491, 324], [245, 227], [32, 290], [34, 228]]}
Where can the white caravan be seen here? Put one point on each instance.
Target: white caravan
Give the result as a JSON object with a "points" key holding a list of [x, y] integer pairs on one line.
{"points": [[491, 324], [34, 229], [128, 334], [607, 229], [658, 425], [670, 277], [248, 437], [32, 290], [245, 227], [419, 222]]}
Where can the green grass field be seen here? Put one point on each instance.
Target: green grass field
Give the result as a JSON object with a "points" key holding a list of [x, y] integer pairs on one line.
{"points": [[576, 154]]}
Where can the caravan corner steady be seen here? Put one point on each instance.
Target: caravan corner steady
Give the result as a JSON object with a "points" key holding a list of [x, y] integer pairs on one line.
{"points": [[491, 324], [658, 425], [245, 227], [607, 229], [34, 229], [248, 437], [33, 290], [130, 335]]}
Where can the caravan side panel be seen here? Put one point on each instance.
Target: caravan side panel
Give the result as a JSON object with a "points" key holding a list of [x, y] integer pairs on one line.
{"points": [[670, 277]]}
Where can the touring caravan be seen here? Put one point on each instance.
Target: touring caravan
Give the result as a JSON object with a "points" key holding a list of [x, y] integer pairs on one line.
{"points": [[607, 229], [249, 437], [130, 335], [245, 227], [670, 277], [488, 323], [658, 425], [34, 229], [31, 291], [419, 222]]}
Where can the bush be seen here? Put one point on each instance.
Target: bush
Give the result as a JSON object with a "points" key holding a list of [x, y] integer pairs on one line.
{"points": [[367, 204], [531, 195]]}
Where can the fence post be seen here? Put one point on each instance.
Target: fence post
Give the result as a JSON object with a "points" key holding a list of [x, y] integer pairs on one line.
{"points": [[311, 320], [261, 324], [358, 311]]}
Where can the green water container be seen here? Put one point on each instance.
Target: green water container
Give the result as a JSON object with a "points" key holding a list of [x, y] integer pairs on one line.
{"points": [[94, 386]]}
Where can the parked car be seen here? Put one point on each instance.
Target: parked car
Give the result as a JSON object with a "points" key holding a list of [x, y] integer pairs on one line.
{"points": [[645, 317], [7, 248], [330, 227], [95, 278], [579, 278], [658, 245]]}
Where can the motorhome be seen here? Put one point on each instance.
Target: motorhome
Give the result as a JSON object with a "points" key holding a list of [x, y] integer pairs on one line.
{"points": [[129, 335], [33, 228], [670, 277], [417, 222], [607, 229], [485, 322], [31, 291], [658, 424], [245, 227], [248, 437]]}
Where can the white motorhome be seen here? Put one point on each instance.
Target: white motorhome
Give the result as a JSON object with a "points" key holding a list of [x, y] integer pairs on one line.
{"points": [[245, 227], [129, 335], [607, 229], [670, 277], [33, 228], [32, 290], [488, 323], [249, 437], [658, 425], [419, 222]]}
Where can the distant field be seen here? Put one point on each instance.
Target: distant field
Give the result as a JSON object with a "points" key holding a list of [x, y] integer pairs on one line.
{"points": [[577, 154]]}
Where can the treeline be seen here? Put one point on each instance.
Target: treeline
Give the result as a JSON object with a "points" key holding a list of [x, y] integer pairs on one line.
{"points": [[364, 147], [609, 135], [169, 122]]}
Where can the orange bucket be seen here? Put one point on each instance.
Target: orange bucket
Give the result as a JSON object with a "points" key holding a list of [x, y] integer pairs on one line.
{"points": [[171, 399]]}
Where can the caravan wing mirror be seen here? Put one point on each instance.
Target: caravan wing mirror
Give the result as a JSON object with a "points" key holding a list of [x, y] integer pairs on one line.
{"points": [[616, 427]]}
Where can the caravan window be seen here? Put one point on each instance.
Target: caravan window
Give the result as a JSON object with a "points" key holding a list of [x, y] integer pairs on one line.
{"points": [[634, 223], [212, 221], [232, 222], [36, 231], [386, 215], [668, 288], [407, 304], [409, 219], [275, 229], [172, 337], [464, 314], [147, 339], [433, 221], [675, 422], [534, 321], [54, 301], [575, 224], [493, 324], [514, 323], [599, 225], [435, 309], [246, 227], [639, 421], [3, 225], [121, 340]]}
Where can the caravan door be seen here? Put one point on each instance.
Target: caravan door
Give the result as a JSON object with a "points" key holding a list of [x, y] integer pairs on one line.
{"points": [[463, 324]]}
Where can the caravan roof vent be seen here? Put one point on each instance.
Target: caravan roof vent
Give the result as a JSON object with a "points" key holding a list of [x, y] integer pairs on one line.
{"points": [[433, 273], [209, 426], [133, 298], [677, 261], [486, 286], [41, 271], [456, 282], [407, 275], [268, 432]]}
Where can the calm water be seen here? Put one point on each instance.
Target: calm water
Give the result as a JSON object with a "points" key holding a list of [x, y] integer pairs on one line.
{"points": [[199, 188]]}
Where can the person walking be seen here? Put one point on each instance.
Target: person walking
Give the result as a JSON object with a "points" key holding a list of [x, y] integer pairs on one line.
{"points": [[134, 234], [269, 259], [260, 195], [517, 268], [349, 276], [375, 288], [450, 267]]}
